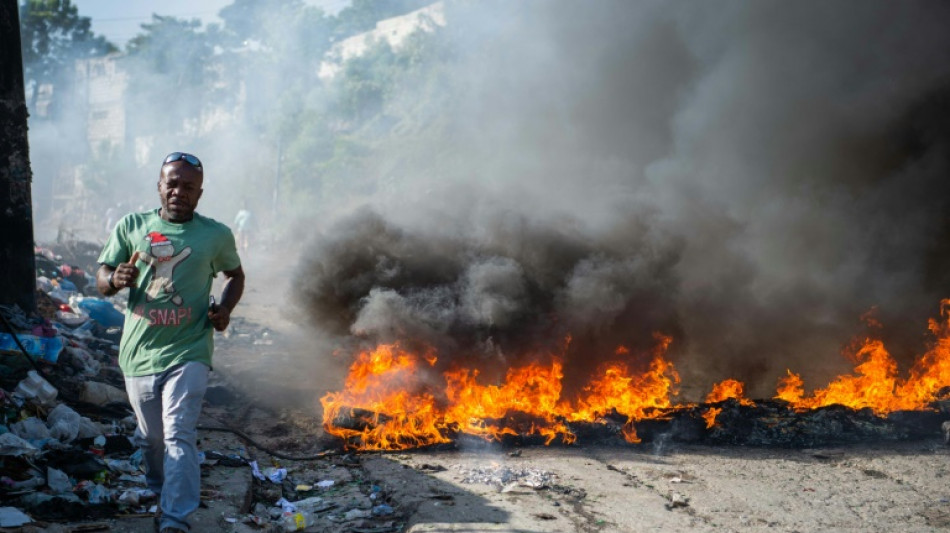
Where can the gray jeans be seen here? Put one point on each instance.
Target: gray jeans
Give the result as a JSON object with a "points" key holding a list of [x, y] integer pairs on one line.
{"points": [[167, 406]]}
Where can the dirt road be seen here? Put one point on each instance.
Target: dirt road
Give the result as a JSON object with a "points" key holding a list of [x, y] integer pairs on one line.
{"points": [[897, 487], [652, 487]]}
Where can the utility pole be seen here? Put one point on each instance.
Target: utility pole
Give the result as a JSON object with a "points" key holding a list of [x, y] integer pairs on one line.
{"points": [[17, 266], [275, 201]]}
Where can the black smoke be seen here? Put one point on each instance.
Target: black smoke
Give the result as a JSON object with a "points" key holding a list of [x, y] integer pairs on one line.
{"points": [[748, 177]]}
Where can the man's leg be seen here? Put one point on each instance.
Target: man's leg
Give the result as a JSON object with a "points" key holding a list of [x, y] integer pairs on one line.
{"points": [[182, 391], [146, 400]]}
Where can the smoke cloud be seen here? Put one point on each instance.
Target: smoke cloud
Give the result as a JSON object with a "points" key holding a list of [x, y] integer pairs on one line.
{"points": [[747, 177]]}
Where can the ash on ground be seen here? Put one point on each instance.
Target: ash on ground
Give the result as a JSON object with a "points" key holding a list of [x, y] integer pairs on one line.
{"points": [[506, 477]]}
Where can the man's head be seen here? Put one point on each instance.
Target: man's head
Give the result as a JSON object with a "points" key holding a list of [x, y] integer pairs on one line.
{"points": [[179, 186]]}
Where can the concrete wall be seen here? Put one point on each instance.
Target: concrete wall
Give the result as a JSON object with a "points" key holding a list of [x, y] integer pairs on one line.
{"points": [[101, 84]]}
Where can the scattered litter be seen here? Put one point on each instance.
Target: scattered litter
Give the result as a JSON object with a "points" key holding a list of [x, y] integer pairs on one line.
{"points": [[57, 480], [293, 521], [286, 506], [11, 444], [256, 471], [426, 467], [308, 504], [135, 497], [34, 387], [354, 514], [382, 510], [43, 348], [226, 459], [275, 475], [505, 476], [676, 500], [326, 483], [13, 517], [32, 429], [101, 394]]}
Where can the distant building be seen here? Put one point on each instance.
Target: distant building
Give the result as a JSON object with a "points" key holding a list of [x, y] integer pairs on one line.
{"points": [[100, 89], [393, 30]]}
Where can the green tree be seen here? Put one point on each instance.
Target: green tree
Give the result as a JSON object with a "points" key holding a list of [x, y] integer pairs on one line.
{"points": [[273, 49], [362, 15], [53, 35], [173, 75]]}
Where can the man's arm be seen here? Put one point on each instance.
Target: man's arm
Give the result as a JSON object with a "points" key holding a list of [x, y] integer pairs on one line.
{"points": [[110, 280], [220, 314]]}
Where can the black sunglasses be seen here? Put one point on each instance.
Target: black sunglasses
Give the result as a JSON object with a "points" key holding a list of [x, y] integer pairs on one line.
{"points": [[182, 156]]}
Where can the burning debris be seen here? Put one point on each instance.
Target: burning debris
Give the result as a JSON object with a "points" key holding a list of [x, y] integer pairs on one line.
{"points": [[391, 401]]}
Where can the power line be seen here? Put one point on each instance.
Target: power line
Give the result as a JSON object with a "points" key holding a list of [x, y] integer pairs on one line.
{"points": [[149, 17]]}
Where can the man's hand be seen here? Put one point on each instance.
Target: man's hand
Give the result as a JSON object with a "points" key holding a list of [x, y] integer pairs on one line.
{"points": [[111, 280], [220, 316], [126, 273]]}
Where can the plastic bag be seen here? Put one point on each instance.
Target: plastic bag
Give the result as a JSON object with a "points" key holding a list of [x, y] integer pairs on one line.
{"points": [[57, 480], [11, 444], [31, 429], [64, 423]]}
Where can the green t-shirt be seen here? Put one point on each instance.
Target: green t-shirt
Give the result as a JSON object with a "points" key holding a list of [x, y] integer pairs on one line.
{"points": [[167, 322]]}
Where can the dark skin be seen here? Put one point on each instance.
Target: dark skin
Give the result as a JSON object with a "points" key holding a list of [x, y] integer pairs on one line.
{"points": [[179, 189]]}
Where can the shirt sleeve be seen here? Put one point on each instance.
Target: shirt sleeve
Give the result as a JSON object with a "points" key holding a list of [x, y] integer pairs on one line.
{"points": [[227, 257], [117, 248]]}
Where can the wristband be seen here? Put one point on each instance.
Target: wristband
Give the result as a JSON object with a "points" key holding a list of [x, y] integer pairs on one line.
{"points": [[111, 284]]}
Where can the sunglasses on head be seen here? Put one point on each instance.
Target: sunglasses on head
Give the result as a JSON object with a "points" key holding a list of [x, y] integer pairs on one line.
{"points": [[182, 156]]}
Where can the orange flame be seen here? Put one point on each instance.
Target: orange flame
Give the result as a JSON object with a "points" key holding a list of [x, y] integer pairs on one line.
{"points": [[393, 400], [710, 416], [875, 383], [380, 382], [532, 390], [727, 389], [790, 388]]}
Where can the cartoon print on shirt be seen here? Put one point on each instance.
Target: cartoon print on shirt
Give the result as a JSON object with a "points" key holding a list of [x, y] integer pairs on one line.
{"points": [[163, 260]]}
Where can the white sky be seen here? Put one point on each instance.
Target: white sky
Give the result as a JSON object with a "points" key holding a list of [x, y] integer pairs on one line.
{"points": [[120, 20]]}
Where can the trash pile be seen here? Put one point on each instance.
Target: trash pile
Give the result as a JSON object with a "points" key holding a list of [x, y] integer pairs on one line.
{"points": [[65, 452], [66, 449], [65, 421]]}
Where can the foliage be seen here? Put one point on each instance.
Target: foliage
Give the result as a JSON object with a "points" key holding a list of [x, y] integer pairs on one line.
{"points": [[171, 63], [272, 49], [53, 35], [362, 15], [261, 67]]}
